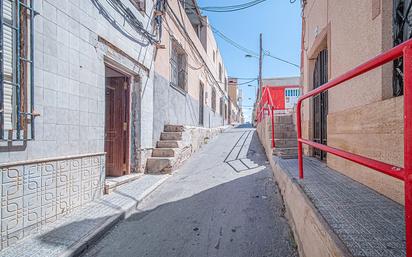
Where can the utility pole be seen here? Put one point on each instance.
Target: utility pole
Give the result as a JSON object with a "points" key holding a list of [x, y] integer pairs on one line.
{"points": [[260, 66]]}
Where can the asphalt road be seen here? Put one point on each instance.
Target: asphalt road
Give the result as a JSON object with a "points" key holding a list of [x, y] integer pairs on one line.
{"points": [[222, 202]]}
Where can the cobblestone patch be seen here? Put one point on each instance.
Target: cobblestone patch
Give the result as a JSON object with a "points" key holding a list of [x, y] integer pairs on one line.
{"points": [[368, 223], [63, 237]]}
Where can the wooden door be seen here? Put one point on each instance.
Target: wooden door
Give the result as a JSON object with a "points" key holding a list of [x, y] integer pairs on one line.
{"points": [[320, 104], [117, 127]]}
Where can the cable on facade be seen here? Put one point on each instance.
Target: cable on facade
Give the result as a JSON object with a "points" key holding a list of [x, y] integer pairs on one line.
{"points": [[129, 18], [193, 47]]}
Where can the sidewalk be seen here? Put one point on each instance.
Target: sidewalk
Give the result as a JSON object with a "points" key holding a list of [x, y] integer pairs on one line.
{"points": [[73, 234], [360, 221]]}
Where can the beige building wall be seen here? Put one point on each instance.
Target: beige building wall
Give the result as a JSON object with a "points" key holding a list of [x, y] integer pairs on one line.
{"points": [[363, 117], [202, 67]]}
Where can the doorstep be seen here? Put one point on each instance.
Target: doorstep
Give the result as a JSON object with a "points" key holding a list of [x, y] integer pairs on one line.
{"points": [[333, 215], [111, 183], [74, 233]]}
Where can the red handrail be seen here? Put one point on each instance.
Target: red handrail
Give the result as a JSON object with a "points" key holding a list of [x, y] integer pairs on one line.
{"points": [[271, 107], [405, 174]]}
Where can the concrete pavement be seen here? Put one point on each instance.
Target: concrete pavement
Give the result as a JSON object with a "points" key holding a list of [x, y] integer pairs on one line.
{"points": [[222, 202]]}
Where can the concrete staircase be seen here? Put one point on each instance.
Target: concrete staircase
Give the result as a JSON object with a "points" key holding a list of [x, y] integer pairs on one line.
{"points": [[170, 151], [285, 137]]}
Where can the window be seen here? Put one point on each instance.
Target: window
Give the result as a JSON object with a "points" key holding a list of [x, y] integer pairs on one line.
{"points": [[225, 84], [402, 31], [214, 56], [16, 76], [178, 66], [220, 72], [139, 4], [214, 100], [221, 106]]}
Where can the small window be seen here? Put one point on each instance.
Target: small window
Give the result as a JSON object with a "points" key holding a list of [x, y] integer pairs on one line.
{"points": [[16, 62], [139, 4], [220, 72], [214, 100], [178, 66], [221, 106]]}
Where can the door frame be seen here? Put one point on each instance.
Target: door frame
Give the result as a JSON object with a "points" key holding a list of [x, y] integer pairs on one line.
{"points": [[130, 78]]}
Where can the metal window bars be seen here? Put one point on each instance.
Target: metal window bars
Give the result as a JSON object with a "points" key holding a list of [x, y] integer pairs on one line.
{"points": [[22, 11]]}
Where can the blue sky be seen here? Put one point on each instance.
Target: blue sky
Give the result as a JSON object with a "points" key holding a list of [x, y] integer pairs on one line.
{"points": [[280, 23]]}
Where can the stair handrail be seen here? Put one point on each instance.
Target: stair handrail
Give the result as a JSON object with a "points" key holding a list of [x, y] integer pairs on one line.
{"points": [[261, 107], [405, 174]]}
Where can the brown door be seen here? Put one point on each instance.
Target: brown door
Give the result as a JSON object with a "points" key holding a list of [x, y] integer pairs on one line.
{"points": [[116, 127]]}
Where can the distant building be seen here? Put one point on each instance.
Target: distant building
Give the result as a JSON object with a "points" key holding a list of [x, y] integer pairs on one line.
{"points": [[235, 98], [284, 92]]}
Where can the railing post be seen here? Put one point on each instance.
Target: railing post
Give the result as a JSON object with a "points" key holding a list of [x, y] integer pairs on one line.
{"points": [[273, 126], [299, 132], [407, 60]]}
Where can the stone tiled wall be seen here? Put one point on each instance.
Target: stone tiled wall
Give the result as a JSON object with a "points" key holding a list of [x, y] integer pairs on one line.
{"points": [[35, 194]]}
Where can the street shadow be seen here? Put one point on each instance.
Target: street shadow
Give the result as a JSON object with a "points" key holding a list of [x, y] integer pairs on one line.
{"points": [[238, 215]]}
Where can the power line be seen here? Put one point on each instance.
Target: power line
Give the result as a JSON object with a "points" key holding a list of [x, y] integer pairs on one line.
{"points": [[231, 8], [227, 8], [246, 50], [236, 45], [247, 82]]}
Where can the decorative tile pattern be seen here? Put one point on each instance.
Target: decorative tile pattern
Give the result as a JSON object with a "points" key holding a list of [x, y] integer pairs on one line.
{"points": [[34, 195]]}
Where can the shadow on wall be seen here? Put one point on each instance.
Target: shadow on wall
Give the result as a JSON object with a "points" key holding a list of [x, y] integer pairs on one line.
{"points": [[242, 217]]}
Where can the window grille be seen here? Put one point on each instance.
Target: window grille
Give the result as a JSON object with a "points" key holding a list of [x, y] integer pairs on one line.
{"points": [[17, 70], [178, 66], [214, 100], [402, 31]]}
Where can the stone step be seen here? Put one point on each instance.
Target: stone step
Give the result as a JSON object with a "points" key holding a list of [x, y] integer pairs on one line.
{"points": [[284, 119], [291, 134], [159, 164], [171, 136], [286, 152], [174, 128], [165, 152], [168, 144], [284, 127], [282, 143]]}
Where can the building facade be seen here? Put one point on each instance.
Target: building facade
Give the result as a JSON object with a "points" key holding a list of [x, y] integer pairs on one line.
{"points": [[190, 78], [364, 115], [75, 77], [86, 88], [284, 92]]}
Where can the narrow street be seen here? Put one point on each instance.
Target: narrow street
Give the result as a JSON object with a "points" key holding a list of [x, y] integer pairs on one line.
{"points": [[221, 202]]}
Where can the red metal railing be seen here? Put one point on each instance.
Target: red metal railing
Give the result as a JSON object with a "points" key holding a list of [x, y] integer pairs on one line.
{"points": [[403, 50], [266, 104]]}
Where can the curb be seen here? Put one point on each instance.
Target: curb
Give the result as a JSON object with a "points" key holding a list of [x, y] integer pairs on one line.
{"points": [[88, 240]]}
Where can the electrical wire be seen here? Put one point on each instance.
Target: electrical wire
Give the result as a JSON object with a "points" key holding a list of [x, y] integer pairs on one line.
{"points": [[227, 8], [247, 82], [179, 24], [242, 48], [129, 18], [248, 51]]}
